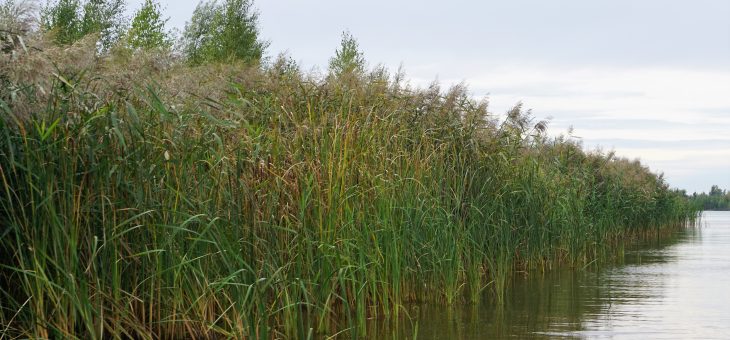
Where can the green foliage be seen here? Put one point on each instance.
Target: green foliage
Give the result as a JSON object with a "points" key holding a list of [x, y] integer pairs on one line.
{"points": [[275, 204], [348, 59], [107, 18], [71, 20], [716, 199], [220, 32], [62, 17], [148, 28]]}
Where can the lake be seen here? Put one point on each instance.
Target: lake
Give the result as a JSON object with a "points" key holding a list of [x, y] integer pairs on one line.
{"points": [[674, 288]]}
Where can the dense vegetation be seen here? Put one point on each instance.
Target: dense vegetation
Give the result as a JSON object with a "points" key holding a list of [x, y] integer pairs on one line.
{"points": [[715, 199], [147, 193]]}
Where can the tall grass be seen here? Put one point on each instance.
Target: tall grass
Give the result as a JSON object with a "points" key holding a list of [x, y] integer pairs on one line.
{"points": [[268, 203]]}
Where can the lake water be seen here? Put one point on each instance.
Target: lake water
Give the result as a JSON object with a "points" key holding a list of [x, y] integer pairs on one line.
{"points": [[676, 288]]}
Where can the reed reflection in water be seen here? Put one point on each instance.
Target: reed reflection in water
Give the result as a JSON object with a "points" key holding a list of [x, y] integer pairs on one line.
{"points": [[674, 288]]}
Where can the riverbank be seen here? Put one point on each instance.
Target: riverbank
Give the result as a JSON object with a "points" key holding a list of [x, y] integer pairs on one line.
{"points": [[147, 200]]}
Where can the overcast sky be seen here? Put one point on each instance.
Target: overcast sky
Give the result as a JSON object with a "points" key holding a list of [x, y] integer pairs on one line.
{"points": [[648, 78]]}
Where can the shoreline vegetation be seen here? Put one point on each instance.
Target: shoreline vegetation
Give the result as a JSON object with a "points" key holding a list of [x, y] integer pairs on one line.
{"points": [[144, 196], [715, 200]]}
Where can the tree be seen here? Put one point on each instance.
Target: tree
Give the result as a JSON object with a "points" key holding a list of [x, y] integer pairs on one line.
{"points": [[105, 17], [62, 17], [71, 20], [716, 191], [715, 199], [148, 28], [16, 22], [223, 32], [348, 59]]}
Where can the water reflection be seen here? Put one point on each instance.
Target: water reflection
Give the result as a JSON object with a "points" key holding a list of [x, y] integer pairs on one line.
{"points": [[674, 288]]}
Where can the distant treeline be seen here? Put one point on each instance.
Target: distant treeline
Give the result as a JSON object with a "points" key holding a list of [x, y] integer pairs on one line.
{"points": [[149, 192], [716, 199]]}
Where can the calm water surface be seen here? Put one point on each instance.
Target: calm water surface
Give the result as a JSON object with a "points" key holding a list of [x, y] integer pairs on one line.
{"points": [[678, 288]]}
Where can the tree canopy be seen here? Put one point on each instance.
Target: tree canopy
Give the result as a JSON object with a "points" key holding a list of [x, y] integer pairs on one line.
{"points": [[224, 31], [348, 58], [716, 199], [71, 20], [148, 28]]}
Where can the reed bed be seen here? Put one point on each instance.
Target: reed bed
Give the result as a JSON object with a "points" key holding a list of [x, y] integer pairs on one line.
{"points": [[262, 202]]}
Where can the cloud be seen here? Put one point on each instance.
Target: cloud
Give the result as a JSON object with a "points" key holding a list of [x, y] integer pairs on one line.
{"points": [[677, 121], [649, 78]]}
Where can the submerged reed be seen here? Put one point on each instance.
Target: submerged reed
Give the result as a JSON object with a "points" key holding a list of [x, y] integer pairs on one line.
{"points": [[266, 203]]}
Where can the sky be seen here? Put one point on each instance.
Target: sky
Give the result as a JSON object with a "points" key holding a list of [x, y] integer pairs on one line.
{"points": [[649, 79]]}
